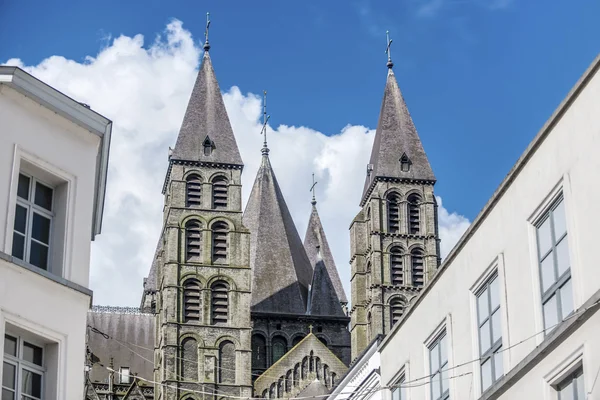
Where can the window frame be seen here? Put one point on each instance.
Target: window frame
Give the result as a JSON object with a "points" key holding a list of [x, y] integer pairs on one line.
{"points": [[572, 377], [495, 349], [555, 289], [402, 392], [436, 342], [20, 364], [32, 208]]}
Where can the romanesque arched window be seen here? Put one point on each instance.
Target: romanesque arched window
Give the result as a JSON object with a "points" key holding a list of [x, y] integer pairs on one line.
{"points": [[278, 348], [393, 212], [396, 310], [189, 359], [326, 376], [273, 391], [219, 193], [259, 352], [322, 340], [414, 214], [297, 375], [369, 326], [297, 339], [193, 190], [288, 381], [304, 368], [226, 362], [318, 369], [193, 241], [396, 266], [192, 302], [220, 233], [416, 262], [219, 302]]}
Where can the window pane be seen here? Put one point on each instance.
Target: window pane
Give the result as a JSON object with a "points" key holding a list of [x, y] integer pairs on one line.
{"points": [[435, 386], [580, 387], [40, 229], [486, 374], [31, 383], [494, 293], [32, 353], [43, 196], [434, 357], [23, 187], [9, 374], [544, 237], [567, 392], [10, 345], [496, 327], [548, 274], [482, 306], [403, 392], [396, 394], [18, 246], [562, 256], [38, 255], [560, 222], [445, 380], [443, 350], [498, 365], [550, 313], [7, 395], [21, 219], [566, 298], [484, 337]]}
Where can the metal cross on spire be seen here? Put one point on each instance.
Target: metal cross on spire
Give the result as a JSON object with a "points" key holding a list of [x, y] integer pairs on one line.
{"points": [[388, 50], [263, 131], [312, 189], [206, 44]]}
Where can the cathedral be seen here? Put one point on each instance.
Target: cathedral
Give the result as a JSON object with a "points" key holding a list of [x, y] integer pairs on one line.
{"points": [[235, 304]]}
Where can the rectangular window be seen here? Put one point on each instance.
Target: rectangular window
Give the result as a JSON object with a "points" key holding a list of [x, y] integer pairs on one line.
{"points": [[490, 332], [554, 264], [22, 370], [33, 221], [400, 391], [124, 375], [438, 368], [572, 388]]}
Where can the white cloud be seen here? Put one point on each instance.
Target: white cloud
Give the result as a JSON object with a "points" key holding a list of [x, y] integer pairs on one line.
{"points": [[145, 92]]}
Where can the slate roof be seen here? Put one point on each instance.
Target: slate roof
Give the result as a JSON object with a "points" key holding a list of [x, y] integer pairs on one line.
{"points": [[281, 270], [396, 135], [315, 239], [206, 116], [323, 299], [129, 333]]}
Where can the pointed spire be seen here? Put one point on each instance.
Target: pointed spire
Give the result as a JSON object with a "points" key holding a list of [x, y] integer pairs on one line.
{"points": [[206, 134], [281, 269], [319, 254], [397, 149]]}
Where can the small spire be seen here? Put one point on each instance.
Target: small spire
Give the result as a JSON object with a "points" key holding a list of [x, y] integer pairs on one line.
{"points": [[263, 131], [388, 51], [312, 189], [206, 44]]}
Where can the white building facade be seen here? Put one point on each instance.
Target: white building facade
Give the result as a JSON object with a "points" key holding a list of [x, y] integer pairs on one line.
{"points": [[512, 311], [53, 164]]}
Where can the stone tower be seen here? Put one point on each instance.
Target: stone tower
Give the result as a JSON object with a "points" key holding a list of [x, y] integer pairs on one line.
{"points": [[202, 265], [394, 238]]}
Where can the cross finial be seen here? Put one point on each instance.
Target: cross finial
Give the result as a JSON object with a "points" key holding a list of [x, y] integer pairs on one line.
{"points": [[312, 189], [206, 44], [388, 51], [263, 131], [310, 328]]}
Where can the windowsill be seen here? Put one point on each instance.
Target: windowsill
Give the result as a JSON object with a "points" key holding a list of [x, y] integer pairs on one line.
{"points": [[550, 342], [55, 278]]}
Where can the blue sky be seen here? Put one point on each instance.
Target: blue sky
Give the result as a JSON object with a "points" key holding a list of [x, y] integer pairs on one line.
{"points": [[480, 78]]}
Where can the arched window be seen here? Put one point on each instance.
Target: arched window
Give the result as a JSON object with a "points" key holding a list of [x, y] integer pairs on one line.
{"points": [[297, 375], [323, 340], [304, 368], [280, 389], [189, 359], [369, 326], [220, 232], [219, 198], [193, 189], [259, 352], [193, 241], [326, 376], [396, 266], [297, 339], [416, 263], [219, 293], [393, 210], [288, 381], [318, 368], [369, 224], [278, 348], [226, 362], [273, 391], [192, 302], [333, 379], [396, 310], [413, 213], [265, 394]]}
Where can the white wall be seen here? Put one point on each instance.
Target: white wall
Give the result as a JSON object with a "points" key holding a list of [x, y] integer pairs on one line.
{"points": [[569, 158], [30, 130], [363, 380]]}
